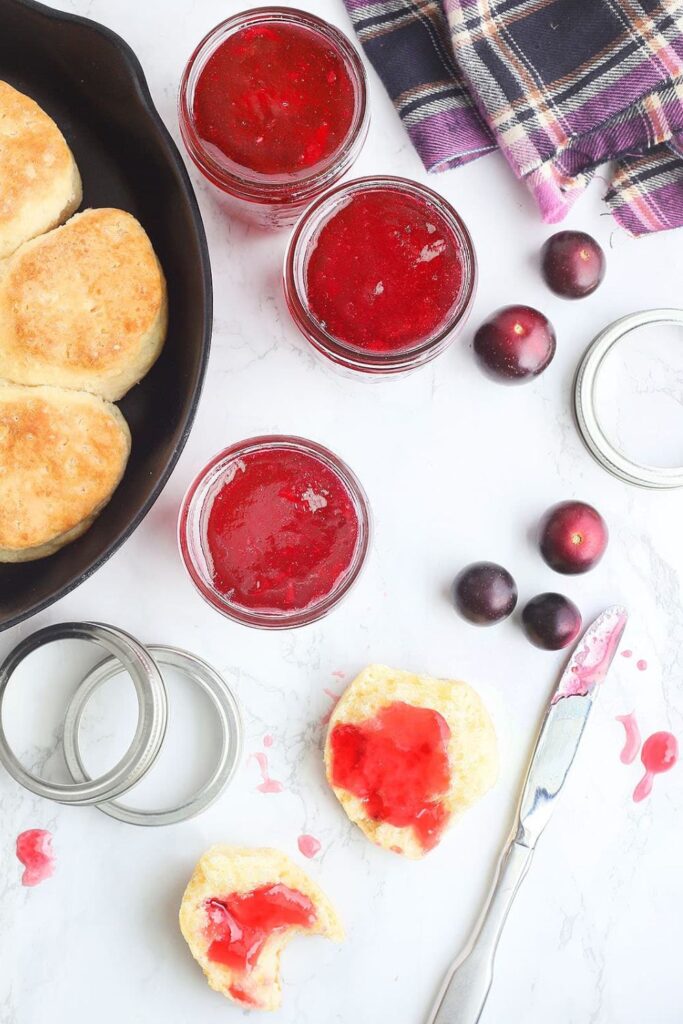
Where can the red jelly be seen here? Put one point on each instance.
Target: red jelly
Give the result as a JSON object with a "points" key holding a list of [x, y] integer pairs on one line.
{"points": [[273, 107], [397, 764], [34, 850], [239, 925], [275, 531], [379, 274]]}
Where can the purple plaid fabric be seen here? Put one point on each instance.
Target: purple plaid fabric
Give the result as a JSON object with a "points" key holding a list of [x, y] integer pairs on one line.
{"points": [[561, 86]]}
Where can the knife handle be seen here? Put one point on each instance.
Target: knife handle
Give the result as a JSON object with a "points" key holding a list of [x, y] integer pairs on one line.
{"points": [[468, 980]]}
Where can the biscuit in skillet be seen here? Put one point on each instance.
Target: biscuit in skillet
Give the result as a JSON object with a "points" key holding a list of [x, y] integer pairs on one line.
{"points": [[40, 186], [62, 455], [83, 306], [226, 870], [471, 748]]}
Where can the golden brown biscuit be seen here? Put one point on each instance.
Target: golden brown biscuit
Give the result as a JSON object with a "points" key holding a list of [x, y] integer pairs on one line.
{"points": [[40, 186], [62, 454], [83, 306], [226, 872], [463, 766]]}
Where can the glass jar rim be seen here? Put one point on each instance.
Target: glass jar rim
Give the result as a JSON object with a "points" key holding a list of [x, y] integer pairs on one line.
{"points": [[238, 180], [295, 292], [193, 505]]}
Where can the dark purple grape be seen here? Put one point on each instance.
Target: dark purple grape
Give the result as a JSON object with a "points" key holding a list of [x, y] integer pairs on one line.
{"points": [[484, 593], [573, 537], [515, 344], [573, 264], [551, 621]]}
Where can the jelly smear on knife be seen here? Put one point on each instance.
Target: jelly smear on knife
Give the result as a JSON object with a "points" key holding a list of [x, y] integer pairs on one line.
{"points": [[34, 850], [659, 754], [593, 656], [397, 764], [631, 746], [239, 925]]}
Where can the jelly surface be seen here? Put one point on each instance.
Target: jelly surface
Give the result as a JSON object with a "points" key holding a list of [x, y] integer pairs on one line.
{"points": [[275, 98], [397, 764], [384, 272], [281, 532], [239, 925]]}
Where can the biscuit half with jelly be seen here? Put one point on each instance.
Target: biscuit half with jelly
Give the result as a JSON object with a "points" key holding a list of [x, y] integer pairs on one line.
{"points": [[407, 754], [240, 909]]}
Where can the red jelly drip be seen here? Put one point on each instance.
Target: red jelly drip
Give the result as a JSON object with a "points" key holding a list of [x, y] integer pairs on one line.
{"points": [[385, 272], [282, 532], [659, 754], [239, 925], [397, 764], [631, 738], [275, 99], [309, 846], [34, 850]]}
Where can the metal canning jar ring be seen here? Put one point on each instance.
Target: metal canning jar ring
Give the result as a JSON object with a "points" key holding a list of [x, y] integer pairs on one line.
{"points": [[228, 714], [152, 716], [585, 403]]}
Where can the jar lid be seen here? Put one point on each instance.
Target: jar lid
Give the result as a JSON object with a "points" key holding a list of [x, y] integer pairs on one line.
{"points": [[152, 714], [224, 705], [142, 664], [586, 402]]}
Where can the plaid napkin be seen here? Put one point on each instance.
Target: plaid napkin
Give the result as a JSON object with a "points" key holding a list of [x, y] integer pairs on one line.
{"points": [[560, 86]]}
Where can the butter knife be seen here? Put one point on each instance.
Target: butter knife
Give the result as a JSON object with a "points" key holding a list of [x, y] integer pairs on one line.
{"points": [[468, 981]]}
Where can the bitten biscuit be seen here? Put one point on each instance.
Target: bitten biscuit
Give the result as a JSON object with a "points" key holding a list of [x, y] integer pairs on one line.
{"points": [[467, 747], [222, 876], [83, 306], [40, 186], [62, 454]]}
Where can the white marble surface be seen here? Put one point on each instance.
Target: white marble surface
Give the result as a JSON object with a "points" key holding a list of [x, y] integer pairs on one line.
{"points": [[595, 934]]}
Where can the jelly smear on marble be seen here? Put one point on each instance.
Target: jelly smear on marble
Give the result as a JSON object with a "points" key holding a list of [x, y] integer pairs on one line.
{"points": [[276, 99], [267, 785], [627, 654], [267, 740], [281, 531], [659, 754], [593, 655], [641, 665], [397, 764], [238, 926], [34, 850], [629, 751], [308, 845], [385, 273]]}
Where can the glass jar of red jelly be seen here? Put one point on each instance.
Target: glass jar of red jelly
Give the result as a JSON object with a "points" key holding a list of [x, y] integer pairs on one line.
{"points": [[380, 275], [274, 531], [273, 110]]}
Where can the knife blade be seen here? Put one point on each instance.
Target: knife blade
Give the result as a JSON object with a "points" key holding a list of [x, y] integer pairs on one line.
{"points": [[565, 721], [466, 986]]}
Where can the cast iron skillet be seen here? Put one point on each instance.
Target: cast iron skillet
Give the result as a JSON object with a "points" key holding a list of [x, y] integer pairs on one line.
{"points": [[91, 83]]}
